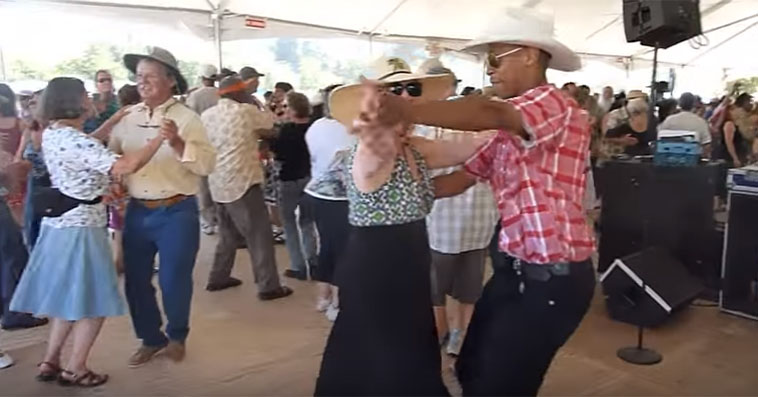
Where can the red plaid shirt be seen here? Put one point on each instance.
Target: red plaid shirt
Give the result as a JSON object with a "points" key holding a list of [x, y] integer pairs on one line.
{"points": [[539, 183]]}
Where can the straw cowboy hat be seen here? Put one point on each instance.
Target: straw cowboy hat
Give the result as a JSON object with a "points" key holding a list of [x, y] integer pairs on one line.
{"points": [[162, 56], [635, 94], [345, 101], [524, 27]]}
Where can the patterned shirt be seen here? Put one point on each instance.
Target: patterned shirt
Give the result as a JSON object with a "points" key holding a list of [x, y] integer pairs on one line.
{"points": [[79, 167], [231, 128], [328, 142], [166, 174], [402, 199], [465, 222], [539, 183]]}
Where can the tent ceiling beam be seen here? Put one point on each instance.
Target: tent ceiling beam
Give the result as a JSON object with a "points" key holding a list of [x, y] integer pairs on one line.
{"points": [[114, 5], [386, 17], [730, 38]]}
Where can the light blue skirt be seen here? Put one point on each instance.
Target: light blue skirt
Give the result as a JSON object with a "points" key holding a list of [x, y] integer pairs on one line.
{"points": [[70, 276]]}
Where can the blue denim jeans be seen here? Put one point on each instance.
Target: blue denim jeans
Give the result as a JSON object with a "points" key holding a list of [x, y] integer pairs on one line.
{"points": [[172, 232], [299, 231], [32, 222], [13, 258]]}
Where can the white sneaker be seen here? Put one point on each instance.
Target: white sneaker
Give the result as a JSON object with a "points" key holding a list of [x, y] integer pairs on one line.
{"points": [[332, 313], [5, 360], [323, 304], [207, 229], [455, 342]]}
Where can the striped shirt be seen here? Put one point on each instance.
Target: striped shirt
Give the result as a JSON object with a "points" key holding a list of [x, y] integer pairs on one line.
{"points": [[539, 183]]}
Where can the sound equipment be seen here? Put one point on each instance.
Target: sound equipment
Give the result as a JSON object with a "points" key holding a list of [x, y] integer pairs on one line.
{"points": [[670, 207], [645, 288], [739, 294], [661, 23]]}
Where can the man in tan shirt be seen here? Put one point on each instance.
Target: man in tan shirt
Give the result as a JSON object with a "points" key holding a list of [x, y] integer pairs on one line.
{"points": [[162, 217]]}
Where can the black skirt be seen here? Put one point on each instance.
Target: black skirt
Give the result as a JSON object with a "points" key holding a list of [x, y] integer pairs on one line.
{"points": [[333, 230], [384, 341]]}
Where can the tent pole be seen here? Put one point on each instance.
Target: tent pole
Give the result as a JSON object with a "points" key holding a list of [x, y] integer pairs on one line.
{"points": [[217, 37]]}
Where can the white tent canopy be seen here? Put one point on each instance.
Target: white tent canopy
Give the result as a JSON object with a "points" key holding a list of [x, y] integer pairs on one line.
{"points": [[591, 27], [594, 28]]}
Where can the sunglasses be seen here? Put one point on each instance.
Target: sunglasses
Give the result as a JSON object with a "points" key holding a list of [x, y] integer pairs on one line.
{"points": [[494, 60], [165, 112], [105, 80], [414, 88]]}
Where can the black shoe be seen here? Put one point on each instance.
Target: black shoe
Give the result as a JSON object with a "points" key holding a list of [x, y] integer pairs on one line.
{"points": [[280, 292], [313, 270], [295, 274], [31, 322], [228, 283]]}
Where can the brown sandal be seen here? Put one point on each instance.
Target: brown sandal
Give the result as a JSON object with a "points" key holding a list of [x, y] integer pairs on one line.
{"points": [[50, 375], [88, 379]]}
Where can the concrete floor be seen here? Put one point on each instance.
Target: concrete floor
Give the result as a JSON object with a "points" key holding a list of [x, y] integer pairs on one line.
{"points": [[241, 346]]}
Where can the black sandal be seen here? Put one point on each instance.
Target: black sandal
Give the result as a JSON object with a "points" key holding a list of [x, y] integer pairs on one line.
{"points": [[50, 375], [86, 380]]}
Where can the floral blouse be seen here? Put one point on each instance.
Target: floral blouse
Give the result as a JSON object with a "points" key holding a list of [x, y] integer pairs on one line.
{"points": [[79, 167]]}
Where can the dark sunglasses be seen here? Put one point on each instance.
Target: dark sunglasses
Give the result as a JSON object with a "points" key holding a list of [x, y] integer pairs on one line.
{"points": [[414, 88], [105, 80], [494, 60], [155, 126]]}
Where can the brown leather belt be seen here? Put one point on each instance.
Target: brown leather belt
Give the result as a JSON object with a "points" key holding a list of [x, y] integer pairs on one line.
{"points": [[167, 202]]}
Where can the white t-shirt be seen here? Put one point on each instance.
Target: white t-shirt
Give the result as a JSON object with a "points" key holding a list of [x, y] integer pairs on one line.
{"points": [[325, 138], [688, 121]]}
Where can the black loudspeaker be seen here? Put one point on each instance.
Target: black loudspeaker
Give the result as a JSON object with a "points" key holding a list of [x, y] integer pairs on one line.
{"points": [[661, 22], [670, 207], [646, 288], [740, 293]]}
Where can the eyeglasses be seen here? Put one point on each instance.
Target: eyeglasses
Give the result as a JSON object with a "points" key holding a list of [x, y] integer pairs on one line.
{"points": [[105, 80], [494, 60], [414, 88], [165, 112]]}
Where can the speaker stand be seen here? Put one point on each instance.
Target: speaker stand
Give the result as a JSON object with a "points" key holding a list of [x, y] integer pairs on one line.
{"points": [[639, 354], [653, 90]]}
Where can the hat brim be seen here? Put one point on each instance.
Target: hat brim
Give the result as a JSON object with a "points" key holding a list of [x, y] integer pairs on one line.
{"points": [[131, 61], [561, 57], [345, 101]]}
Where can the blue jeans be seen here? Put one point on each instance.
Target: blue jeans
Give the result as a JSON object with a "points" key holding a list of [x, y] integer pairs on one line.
{"points": [[173, 233], [299, 231], [32, 222], [13, 258]]}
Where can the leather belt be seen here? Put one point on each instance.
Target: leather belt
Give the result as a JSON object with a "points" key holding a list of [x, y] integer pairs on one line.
{"points": [[167, 202]]}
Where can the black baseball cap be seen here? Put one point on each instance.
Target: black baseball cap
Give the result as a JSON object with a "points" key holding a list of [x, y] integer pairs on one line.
{"points": [[248, 73]]}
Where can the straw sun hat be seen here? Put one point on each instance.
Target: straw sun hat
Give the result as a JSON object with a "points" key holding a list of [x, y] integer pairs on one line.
{"points": [[345, 101]]}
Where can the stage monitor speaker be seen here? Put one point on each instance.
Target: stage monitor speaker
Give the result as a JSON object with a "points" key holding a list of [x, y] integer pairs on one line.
{"points": [[661, 22], [646, 288]]}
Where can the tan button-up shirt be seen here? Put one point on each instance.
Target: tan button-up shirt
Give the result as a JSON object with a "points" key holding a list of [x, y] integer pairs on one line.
{"points": [[232, 129], [166, 174]]}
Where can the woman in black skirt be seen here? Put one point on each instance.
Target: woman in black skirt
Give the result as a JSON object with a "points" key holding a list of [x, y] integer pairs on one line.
{"points": [[384, 341]]}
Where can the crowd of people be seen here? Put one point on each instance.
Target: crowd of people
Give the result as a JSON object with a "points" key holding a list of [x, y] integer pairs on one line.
{"points": [[391, 194]]}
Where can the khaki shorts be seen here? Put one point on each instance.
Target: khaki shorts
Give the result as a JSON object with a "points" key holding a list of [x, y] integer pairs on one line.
{"points": [[459, 275]]}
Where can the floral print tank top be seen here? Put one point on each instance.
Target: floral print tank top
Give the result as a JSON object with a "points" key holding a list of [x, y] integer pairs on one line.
{"points": [[402, 199]]}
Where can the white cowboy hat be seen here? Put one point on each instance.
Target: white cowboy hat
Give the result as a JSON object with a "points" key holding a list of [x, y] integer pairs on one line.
{"points": [[527, 28], [345, 101]]}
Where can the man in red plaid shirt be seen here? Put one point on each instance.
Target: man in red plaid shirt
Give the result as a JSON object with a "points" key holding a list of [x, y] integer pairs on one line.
{"points": [[536, 166]]}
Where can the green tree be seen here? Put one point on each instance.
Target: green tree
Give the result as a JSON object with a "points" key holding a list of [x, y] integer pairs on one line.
{"points": [[749, 85], [95, 57], [21, 70], [286, 50]]}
